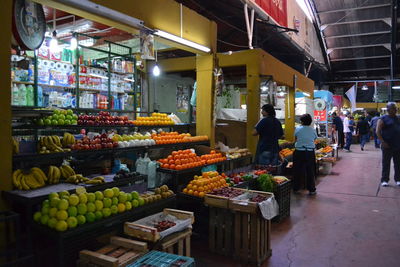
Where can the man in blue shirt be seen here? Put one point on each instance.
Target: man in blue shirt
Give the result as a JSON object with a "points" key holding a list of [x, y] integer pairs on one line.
{"points": [[388, 132], [338, 127], [269, 130]]}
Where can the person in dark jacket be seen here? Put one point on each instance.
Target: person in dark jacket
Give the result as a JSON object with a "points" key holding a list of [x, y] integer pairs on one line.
{"points": [[269, 130], [363, 131], [388, 132], [338, 128], [373, 124]]}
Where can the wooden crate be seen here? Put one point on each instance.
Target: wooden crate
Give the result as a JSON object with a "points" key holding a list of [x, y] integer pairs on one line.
{"points": [[147, 233], [120, 252], [221, 229], [247, 206], [216, 201], [177, 243], [252, 238]]}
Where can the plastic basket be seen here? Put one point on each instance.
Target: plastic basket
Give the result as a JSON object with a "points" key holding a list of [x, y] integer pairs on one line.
{"points": [[282, 196], [162, 259]]}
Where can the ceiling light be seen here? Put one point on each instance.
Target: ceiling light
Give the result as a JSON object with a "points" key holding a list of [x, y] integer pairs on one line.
{"points": [[88, 42], [156, 70], [180, 40], [364, 87], [73, 43], [396, 87], [306, 94]]}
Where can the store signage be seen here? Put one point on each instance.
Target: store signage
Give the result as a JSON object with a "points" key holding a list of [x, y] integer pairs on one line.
{"points": [[320, 115], [277, 9]]}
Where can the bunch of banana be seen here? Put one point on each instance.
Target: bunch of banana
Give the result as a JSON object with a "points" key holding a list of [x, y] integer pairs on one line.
{"points": [[49, 144], [76, 179], [15, 144], [54, 175], [96, 180], [66, 171], [32, 179], [68, 140]]}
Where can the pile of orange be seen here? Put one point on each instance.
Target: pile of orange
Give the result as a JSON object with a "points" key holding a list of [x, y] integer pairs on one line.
{"points": [[175, 137], [213, 157], [154, 119], [182, 159], [204, 184]]}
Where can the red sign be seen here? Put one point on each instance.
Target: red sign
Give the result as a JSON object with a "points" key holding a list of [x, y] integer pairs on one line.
{"points": [[277, 9], [320, 115]]}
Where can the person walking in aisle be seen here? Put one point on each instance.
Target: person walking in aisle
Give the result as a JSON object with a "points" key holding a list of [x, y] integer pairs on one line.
{"points": [[363, 131], [338, 129], [368, 118], [347, 132], [374, 123], [269, 130], [304, 155], [388, 132]]}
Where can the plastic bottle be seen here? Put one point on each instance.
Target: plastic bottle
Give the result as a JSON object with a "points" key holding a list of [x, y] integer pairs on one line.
{"points": [[29, 96], [22, 95], [15, 97], [40, 96]]}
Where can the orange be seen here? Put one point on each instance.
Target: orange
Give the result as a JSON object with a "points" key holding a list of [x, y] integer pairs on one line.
{"points": [[190, 186], [195, 193], [195, 187], [178, 167], [172, 166], [185, 190], [201, 188], [201, 194], [190, 192], [165, 166], [171, 161]]}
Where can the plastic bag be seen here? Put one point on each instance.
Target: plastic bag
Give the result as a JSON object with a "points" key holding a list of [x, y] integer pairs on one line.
{"points": [[142, 165], [175, 118], [269, 208], [193, 98], [151, 174]]}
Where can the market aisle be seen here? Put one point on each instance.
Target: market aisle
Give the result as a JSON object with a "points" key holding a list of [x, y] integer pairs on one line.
{"points": [[351, 222]]}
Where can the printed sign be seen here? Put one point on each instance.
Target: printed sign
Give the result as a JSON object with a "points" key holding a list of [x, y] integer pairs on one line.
{"points": [[320, 115], [277, 9]]}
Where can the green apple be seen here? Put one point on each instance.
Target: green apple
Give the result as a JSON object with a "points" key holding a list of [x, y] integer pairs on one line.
{"points": [[83, 198], [128, 205], [122, 197], [99, 204], [128, 197], [45, 210], [52, 222], [53, 212], [99, 215], [37, 216], [135, 195], [62, 215], [54, 122], [115, 201], [70, 112], [54, 202], [116, 191], [67, 122], [61, 117], [44, 219], [53, 195], [135, 203], [61, 226], [73, 200], [141, 201], [114, 209], [47, 122], [63, 204]]}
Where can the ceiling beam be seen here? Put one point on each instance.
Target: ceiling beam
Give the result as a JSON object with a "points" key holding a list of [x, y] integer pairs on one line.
{"points": [[353, 8], [357, 34], [331, 49], [361, 70], [387, 20], [358, 58]]}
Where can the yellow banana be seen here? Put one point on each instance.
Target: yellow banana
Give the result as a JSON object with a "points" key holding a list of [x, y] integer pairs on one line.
{"points": [[64, 173], [69, 170], [57, 175], [23, 183], [40, 172], [19, 178], [15, 146], [16, 182], [31, 181], [38, 178]]}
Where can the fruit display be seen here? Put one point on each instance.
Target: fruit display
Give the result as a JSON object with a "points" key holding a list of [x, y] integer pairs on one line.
{"points": [[235, 153], [159, 193], [286, 152], [258, 198], [186, 159], [326, 150], [100, 141], [228, 192], [63, 211], [284, 143], [213, 157], [265, 182], [321, 142], [279, 179], [53, 144], [26, 180], [134, 140], [154, 119], [207, 182], [59, 117], [163, 225], [103, 119], [175, 137]]}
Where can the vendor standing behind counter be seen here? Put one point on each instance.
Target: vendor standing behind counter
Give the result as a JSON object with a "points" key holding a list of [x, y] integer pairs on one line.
{"points": [[270, 131]]}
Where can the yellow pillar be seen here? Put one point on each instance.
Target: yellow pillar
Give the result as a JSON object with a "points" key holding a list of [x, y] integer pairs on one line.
{"points": [[253, 103], [5, 99], [290, 114], [205, 97]]}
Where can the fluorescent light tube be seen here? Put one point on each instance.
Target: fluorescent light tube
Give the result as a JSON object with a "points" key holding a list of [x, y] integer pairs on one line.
{"points": [[180, 40]]}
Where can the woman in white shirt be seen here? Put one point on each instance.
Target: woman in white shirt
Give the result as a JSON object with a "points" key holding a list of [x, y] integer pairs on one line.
{"points": [[304, 155]]}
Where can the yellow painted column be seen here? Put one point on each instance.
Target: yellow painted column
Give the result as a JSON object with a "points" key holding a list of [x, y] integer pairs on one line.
{"points": [[205, 97], [5, 99], [253, 103], [290, 114]]}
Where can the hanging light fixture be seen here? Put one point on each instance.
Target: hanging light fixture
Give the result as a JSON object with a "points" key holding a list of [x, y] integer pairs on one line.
{"points": [[74, 42], [364, 87], [54, 42], [156, 68]]}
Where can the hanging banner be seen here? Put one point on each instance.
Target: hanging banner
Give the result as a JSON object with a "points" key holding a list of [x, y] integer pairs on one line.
{"points": [[147, 45], [351, 95], [277, 9], [338, 101]]}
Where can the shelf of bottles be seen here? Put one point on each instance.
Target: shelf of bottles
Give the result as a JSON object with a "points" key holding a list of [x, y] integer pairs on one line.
{"points": [[100, 77]]}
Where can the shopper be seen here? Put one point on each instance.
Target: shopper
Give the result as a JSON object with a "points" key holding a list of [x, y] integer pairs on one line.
{"points": [[338, 129], [269, 130], [388, 132], [304, 155], [374, 123], [347, 132], [368, 117], [363, 131]]}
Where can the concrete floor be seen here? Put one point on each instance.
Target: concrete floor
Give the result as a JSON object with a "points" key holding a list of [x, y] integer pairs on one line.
{"points": [[351, 222]]}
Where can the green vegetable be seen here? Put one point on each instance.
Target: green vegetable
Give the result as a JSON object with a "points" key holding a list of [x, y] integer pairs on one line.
{"points": [[247, 177], [265, 182]]}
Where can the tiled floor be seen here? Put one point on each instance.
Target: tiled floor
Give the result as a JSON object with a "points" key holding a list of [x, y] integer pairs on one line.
{"points": [[351, 222]]}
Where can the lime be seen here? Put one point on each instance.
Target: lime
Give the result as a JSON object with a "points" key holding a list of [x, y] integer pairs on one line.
{"points": [[72, 211], [63, 204], [91, 197], [82, 209], [72, 222], [61, 226], [91, 207], [90, 217], [37, 216], [107, 202], [108, 193], [73, 200], [81, 219]]}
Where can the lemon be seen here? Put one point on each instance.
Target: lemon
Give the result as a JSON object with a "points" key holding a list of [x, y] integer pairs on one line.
{"points": [[108, 193], [62, 215], [99, 205], [91, 197], [73, 200], [83, 198], [99, 195], [82, 209], [61, 226], [121, 207], [72, 222], [36, 216], [52, 222], [53, 212], [63, 204]]}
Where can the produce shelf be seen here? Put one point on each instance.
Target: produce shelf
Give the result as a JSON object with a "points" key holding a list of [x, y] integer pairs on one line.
{"points": [[175, 172], [21, 82], [80, 153], [66, 127]]}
